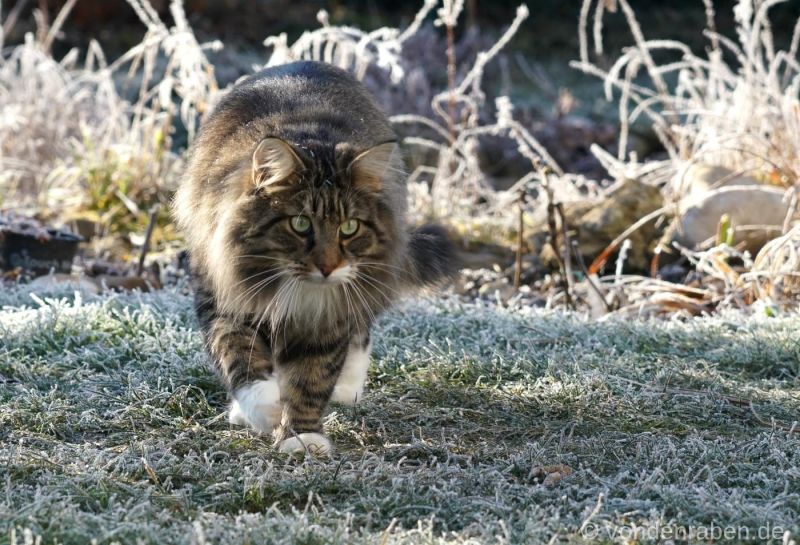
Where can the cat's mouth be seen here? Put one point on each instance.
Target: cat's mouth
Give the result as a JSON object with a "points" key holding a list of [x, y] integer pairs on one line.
{"points": [[340, 275]]}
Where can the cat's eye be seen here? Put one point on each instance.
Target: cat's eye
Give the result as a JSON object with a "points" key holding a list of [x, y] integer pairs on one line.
{"points": [[301, 224], [349, 227]]}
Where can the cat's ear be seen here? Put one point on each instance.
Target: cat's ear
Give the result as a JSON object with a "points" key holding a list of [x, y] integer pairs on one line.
{"points": [[274, 161], [369, 167]]}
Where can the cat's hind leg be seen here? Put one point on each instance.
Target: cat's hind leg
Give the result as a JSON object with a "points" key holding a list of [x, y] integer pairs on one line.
{"points": [[349, 387]]}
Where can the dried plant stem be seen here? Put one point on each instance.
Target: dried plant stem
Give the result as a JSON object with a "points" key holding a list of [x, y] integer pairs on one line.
{"points": [[42, 18], [772, 423], [552, 233], [583, 39], [419, 18], [655, 261], [451, 79], [600, 260], [589, 278], [790, 212], [520, 240], [566, 260], [151, 224], [13, 15], [57, 24], [474, 76], [711, 24]]}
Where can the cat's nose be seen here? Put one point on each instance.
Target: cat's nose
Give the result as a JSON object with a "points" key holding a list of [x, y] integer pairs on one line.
{"points": [[326, 268]]}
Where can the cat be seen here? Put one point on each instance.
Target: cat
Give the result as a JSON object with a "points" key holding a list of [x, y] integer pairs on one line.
{"points": [[293, 205]]}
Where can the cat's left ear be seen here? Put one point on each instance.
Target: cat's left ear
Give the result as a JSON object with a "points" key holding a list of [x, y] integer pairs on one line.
{"points": [[369, 167], [274, 161]]}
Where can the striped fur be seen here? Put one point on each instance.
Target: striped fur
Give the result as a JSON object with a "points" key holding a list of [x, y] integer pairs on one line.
{"points": [[278, 305]]}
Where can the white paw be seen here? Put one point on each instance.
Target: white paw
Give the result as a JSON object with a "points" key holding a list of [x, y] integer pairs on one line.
{"points": [[311, 443], [235, 415], [257, 405], [349, 387], [347, 395]]}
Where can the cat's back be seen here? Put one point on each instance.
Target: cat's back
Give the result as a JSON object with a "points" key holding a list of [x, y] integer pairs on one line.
{"points": [[297, 101]]}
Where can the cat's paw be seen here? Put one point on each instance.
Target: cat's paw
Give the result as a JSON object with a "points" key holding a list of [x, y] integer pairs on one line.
{"points": [[257, 405], [348, 394], [312, 443]]}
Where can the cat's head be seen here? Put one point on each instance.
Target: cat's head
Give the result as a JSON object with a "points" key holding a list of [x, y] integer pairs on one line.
{"points": [[314, 232]]}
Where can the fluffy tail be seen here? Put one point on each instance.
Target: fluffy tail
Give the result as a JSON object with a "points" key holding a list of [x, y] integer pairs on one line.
{"points": [[432, 256]]}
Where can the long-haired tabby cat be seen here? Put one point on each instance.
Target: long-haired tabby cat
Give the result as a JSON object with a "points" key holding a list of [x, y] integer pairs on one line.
{"points": [[294, 206]]}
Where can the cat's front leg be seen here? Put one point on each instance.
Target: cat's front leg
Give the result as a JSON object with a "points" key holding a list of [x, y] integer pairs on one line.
{"points": [[243, 360], [308, 370], [349, 387]]}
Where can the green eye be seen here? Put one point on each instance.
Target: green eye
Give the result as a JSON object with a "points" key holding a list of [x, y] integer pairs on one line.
{"points": [[349, 227], [301, 224]]}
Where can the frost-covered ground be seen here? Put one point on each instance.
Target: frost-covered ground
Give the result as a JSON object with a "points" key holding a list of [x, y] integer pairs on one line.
{"points": [[111, 428]]}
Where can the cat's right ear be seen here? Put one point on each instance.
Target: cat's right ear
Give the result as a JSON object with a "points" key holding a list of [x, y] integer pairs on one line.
{"points": [[274, 161]]}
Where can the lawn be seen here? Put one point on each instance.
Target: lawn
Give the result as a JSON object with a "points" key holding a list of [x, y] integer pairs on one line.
{"points": [[481, 425]]}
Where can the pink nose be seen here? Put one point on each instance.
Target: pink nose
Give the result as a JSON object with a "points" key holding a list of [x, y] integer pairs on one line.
{"points": [[326, 268]]}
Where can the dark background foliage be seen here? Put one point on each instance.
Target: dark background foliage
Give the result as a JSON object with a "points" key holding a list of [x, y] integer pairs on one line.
{"points": [[245, 23]]}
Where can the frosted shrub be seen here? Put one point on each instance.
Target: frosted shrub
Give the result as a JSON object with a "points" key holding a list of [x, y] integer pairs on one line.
{"points": [[66, 132], [347, 47], [453, 186], [736, 105]]}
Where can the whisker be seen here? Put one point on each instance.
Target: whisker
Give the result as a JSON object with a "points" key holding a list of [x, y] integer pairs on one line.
{"points": [[377, 283], [288, 306], [379, 265], [263, 317], [275, 308], [252, 276], [271, 258], [356, 314], [350, 309], [358, 291], [258, 287], [368, 292]]}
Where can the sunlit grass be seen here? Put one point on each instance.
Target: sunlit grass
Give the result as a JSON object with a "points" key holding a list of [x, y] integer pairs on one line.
{"points": [[112, 428]]}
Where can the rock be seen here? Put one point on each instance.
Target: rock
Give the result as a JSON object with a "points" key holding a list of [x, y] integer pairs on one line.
{"points": [[698, 178], [707, 192], [760, 209], [595, 223]]}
